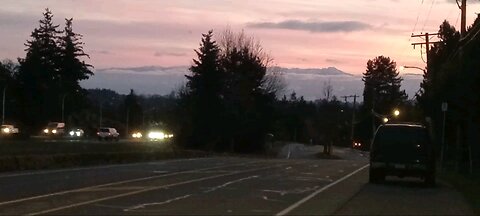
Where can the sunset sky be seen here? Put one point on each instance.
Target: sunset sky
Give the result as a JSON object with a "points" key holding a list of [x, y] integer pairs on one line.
{"points": [[297, 33]]}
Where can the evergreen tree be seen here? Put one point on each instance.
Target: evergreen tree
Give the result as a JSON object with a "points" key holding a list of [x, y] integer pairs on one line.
{"points": [[248, 103], [72, 68], [381, 93], [439, 54], [7, 72], [382, 86], [39, 74], [134, 112], [204, 95]]}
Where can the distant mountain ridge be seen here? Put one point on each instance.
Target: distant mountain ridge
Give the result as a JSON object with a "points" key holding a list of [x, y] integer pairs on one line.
{"points": [[328, 71], [307, 82]]}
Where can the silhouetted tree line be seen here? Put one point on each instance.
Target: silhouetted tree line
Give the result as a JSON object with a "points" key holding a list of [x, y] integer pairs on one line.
{"points": [[47, 77], [453, 76], [108, 108], [228, 101], [321, 122]]}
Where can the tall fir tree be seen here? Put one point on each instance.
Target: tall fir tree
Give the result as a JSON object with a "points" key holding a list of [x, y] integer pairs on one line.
{"points": [[73, 69], [204, 95], [382, 86], [381, 93], [39, 74], [249, 103], [134, 112]]}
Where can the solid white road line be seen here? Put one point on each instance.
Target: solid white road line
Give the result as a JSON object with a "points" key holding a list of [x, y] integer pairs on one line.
{"points": [[305, 199], [148, 189], [117, 183]]}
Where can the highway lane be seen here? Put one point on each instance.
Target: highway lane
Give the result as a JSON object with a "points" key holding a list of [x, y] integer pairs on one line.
{"points": [[17, 185], [197, 186], [225, 186]]}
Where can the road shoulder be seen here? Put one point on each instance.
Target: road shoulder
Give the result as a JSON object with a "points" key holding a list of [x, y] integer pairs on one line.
{"points": [[330, 200]]}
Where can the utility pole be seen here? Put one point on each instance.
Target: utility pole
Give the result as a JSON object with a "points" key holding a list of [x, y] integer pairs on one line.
{"points": [[352, 131], [463, 23], [128, 117], [101, 115], [63, 107], [427, 42], [3, 105]]}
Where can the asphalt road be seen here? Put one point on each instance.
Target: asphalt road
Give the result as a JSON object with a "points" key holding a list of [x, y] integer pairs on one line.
{"points": [[222, 186]]}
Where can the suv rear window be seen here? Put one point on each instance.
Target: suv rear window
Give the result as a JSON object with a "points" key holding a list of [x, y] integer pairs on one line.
{"points": [[105, 130], [400, 140], [52, 125]]}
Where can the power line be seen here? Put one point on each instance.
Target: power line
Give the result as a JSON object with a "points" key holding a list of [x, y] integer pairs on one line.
{"points": [[419, 9], [418, 15], [428, 15], [456, 21]]}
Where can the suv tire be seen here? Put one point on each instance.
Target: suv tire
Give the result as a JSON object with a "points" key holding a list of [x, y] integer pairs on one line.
{"points": [[429, 179], [375, 176]]}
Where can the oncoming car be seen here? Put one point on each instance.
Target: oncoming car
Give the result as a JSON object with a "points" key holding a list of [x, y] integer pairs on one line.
{"points": [[108, 134], [157, 135], [54, 129], [76, 133], [402, 150], [357, 145], [8, 130]]}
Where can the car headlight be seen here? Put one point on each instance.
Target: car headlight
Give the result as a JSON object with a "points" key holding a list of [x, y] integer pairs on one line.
{"points": [[156, 135], [78, 133], [137, 135], [54, 131], [46, 131], [6, 130], [72, 133]]}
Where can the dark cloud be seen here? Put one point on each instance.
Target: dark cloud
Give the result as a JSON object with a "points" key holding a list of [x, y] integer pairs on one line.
{"points": [[314, 26], [177, 54], [333, 61], [104, 52]]}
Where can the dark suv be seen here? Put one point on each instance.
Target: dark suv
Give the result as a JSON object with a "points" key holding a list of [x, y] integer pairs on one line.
{"points": [[402, 150]]}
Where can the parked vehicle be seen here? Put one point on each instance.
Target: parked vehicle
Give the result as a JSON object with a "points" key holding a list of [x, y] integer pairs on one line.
{"points": [[402, 150], [54, 129], [108, 134]]}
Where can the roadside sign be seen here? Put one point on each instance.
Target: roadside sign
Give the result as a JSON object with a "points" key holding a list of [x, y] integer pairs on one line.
{"points": [[444, 106]]}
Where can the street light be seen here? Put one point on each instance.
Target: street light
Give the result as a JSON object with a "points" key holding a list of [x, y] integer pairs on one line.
{"points": [[63, 106], [402, 68], [396, 112], [385, 120], [3, 105]]}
